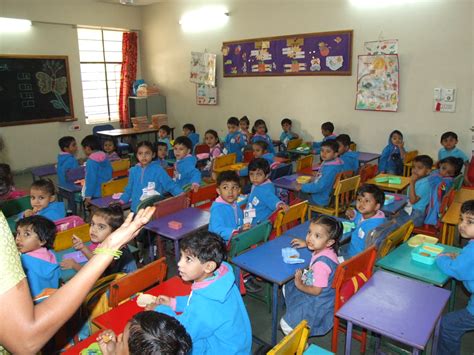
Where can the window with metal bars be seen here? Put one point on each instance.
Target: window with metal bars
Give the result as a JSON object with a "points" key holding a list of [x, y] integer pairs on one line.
{"points": [[100, 53]]}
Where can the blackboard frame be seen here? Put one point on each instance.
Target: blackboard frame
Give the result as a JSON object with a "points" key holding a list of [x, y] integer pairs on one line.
{"points": [[66, 118]]}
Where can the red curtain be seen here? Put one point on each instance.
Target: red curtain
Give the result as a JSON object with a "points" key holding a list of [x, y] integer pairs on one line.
{"points": [[128, 74]]}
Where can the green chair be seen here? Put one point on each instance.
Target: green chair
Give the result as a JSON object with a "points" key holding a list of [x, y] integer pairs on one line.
{"points": [[12, 208], [150, 201], [458, 181], [243, 241]]}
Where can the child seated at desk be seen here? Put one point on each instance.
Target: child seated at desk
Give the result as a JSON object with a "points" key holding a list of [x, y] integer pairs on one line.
{"points": [[367, 216], [391, 159], [260, 150], [226, 215], [262, 201], [459, 266], [449, 140], [147, 178], [349, 158], [310, 295], [260, 134], [66, 160], [244, 125], [214, 314], [164, 136], [43, 201], [110, 148], [321, 188], [34, 240], [103, 222], [8, 191], [287, 134], [162, 154], [185, 171], [190, 131], [327, 130], [235, 141], [147, 333], [211, 139]]}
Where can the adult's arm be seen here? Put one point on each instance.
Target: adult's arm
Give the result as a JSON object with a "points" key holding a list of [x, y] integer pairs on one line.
{"points": [[25, 328]]}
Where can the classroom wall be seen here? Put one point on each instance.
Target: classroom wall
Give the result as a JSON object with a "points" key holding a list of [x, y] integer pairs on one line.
{"points": [[435, 49], [33, 145]]}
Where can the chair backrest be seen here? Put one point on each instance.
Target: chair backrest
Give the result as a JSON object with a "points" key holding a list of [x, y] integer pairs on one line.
{"points": [[170, 205], [113, 186], [120, 167], [13, 207], [75, 174], [255, 235], [248, 156], [395, 238], [458, 181], [409, 156], [224, 160], [207, 193], [102, 127], [68, 222], [201, 148], [150, 201], [294, 343], [367, 172], [295, 212], [344, 193], [377, 235], [137, 281], [63, 239], [281, 170], [294, 143], [304, 163]]}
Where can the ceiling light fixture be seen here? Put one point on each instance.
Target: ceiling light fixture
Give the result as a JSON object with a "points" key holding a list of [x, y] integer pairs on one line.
{"points": [[206, 18], [8, 24]]}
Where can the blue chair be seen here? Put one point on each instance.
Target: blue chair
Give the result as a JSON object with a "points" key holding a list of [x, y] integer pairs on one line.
{"points": [[122, 148]]}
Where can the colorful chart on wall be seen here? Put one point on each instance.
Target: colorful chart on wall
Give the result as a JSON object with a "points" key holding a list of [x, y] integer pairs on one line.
{"points": [[206, 95], [324, 53], [387, 46], [377, 83], [203, 68]]}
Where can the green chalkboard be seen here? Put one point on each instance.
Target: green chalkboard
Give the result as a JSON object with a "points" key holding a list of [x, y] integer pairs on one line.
{"points": [[34, 89]]}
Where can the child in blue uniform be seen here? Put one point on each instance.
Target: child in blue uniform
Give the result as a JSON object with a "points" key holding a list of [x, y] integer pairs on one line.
{"points": [[459, 266], [349, 158], [185, 171], [260, 150], [190, 131], [391, 159], [244, 125], [164, 135], [162, 154], [287, 134], [262, 201], [321, 188], [226, 215], [66, 160], [98, 168], [147, 178], [367, 217], [42, 199], [260, 134], [310, 295], [214, 313], [110, 148], [449, 140], [234, 141], [327, 130]]}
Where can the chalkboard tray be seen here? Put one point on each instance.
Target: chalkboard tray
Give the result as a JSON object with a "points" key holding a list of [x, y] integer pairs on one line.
{"points": [[34, 89]]}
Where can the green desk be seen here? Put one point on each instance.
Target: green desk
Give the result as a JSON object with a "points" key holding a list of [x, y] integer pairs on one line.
{"points": [[400, 262]]}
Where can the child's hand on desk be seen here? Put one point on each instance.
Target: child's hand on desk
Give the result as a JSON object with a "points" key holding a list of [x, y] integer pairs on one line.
{"points": [[350, 213], [451, 255], [77, 243], [108, 342], [246, 226], [67, 264], [298, 243]]}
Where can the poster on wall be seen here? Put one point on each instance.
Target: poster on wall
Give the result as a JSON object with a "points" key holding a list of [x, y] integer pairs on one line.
{"points": [[324, 53], [203, 68], [206, 95], [377, 83], [387, 46]]}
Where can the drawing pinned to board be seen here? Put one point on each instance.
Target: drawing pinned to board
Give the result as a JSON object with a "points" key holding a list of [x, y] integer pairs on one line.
{"points": [[206, 95], [388, 46], [377, 83], [203, 68]]}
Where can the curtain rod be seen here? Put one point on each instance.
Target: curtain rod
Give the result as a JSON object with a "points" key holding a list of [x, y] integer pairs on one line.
{"points": [[84, 26]]}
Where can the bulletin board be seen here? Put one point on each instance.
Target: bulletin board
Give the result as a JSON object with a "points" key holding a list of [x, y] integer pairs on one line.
{"points": [[323, 53]]}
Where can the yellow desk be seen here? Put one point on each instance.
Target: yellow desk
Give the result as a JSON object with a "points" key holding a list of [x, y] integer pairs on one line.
{"points": [[464, 195], [397, 188], [450, 221]]}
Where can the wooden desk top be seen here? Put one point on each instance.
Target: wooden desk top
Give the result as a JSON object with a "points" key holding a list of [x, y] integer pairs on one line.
{"points": [[452, 214], [405, 181], [464, 195], [126, 131]]}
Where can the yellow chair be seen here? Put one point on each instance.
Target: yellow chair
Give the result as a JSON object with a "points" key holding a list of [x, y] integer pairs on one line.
{"points": [[395, 238], [113, 186], [344, 194], [294, 343], [295, 213], [294, 143], [63, 239], [221, 163], [120, 167], [305, 164], [408, 162]]}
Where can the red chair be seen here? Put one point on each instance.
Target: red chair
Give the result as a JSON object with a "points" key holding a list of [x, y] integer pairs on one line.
{"points": [[248, 156], [350, 276], [367, 172], [204, 197], [170, 205], [201, 148]]}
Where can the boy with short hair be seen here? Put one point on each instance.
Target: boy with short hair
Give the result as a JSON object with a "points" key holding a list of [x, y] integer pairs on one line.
{"points": [[66, 160], [226, 215], [235, 140], [190, 131], [367, 216], [43, 201], [327, 130], [214, 314], [449, 140], [287, 133], [320, 189], [459, 266], [185, 172], [164, 136], [349, 158], [162, 154], [98, 168]]}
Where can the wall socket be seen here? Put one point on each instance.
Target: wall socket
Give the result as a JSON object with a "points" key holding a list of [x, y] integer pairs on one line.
{"points": [[74, 127]]}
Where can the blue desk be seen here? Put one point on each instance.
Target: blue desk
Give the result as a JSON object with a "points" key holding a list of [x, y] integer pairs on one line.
{"points": [[399, 202]]}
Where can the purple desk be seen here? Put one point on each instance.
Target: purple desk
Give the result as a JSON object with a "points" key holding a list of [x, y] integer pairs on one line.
{"points": [[191, 218], [365, 157], [106, 201], [396, 307], [42, 171], [287, 182]]}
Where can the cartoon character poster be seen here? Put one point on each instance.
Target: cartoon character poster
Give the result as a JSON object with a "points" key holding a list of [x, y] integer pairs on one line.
{"points": [[203, 68], [378, 83]]}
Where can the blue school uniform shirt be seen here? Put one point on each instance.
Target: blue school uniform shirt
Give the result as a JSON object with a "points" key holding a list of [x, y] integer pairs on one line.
{"points": [[455, 152], [390, 160], [54, 211], [163, 163], [461, 268], [363, 228], [98, 171], [194, 137], [321, 189], [351, 161], [225, 218], [285, 137], [185, 171], [234, 143], [423, 191], [317, 145], [214, 315], [139, 179], [269, 157], [439, 185], [40, 273], [66, 161], [264, 200], [265, 138]]}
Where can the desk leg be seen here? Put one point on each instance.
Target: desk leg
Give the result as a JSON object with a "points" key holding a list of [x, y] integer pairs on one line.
{"points": [[176, 250], [434, 346], [452, 298], [415, 351], [348, 338], [274, 314]]}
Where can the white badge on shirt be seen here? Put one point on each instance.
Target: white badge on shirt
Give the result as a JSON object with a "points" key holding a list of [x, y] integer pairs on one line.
{"points": [[361, 233], [232, 140], [255, 201]]}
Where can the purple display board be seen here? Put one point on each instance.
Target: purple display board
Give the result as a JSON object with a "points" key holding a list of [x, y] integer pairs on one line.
{"points": [[324, 53]]}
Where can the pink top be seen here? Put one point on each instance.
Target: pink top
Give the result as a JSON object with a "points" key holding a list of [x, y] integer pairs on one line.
{"points": [[321, 270], [43, 254]]}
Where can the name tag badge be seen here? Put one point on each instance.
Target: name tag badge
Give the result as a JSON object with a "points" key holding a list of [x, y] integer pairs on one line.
{"points": [[255, 201], [232, 140], [361, 233], [250, 213]]}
